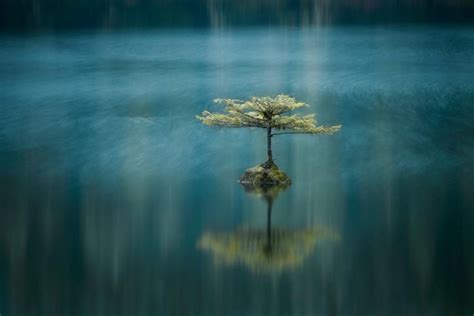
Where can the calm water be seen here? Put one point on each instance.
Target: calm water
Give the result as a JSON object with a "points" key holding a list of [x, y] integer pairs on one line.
{"points": [[116, 201]]}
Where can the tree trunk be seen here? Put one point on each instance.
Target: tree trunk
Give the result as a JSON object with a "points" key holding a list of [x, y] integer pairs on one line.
{"points": [[268, 246], [269, 145]]}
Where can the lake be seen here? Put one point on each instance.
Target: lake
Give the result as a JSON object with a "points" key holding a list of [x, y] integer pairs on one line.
{"points": [[115, 200]]}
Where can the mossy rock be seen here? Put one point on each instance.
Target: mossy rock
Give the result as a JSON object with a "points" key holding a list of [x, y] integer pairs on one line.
{"points": [[265, 175]]}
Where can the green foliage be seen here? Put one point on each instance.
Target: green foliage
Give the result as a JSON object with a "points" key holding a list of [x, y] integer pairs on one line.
{"points": [[266, 112], [286, 250]]}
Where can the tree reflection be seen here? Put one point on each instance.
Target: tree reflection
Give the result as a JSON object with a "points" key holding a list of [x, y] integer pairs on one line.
{"points": [[265, 250]]}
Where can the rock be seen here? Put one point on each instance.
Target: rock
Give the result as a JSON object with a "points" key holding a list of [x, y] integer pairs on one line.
{"points": [[266, 174]]}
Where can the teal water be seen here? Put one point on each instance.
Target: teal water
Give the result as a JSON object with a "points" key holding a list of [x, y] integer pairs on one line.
{"points": [[108, 183]]}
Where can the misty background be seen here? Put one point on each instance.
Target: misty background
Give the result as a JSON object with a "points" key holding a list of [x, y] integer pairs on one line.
{"points": [[109, 14]]}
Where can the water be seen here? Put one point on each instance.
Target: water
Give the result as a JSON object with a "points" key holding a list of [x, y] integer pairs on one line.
{"points": [[109, 185]]}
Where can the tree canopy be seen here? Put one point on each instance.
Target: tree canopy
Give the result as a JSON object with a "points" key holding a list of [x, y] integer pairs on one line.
{"points": [[272, 113], [284, 249]]}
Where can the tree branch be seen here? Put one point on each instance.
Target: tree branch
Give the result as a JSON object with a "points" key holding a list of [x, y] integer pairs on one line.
{"points": [[302, 132]]}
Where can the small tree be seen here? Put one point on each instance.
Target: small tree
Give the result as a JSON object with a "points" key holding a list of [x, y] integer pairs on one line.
{"points": [[273, 114]]}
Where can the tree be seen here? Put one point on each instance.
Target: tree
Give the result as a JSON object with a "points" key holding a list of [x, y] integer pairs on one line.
{"points": [[273, 114], [266, 250]]}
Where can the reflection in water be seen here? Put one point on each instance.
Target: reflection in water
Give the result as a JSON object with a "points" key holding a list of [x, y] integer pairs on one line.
{"points": [[270, 250]]}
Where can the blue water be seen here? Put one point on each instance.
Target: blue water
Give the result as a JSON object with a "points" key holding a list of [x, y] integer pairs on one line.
{"points": [[108, 182]]}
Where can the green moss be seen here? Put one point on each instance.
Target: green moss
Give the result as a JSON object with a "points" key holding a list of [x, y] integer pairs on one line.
{"points": [[265, 175]]}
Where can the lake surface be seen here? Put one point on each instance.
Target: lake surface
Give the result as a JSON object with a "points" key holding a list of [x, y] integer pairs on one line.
{"points": [[116, 201]]}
